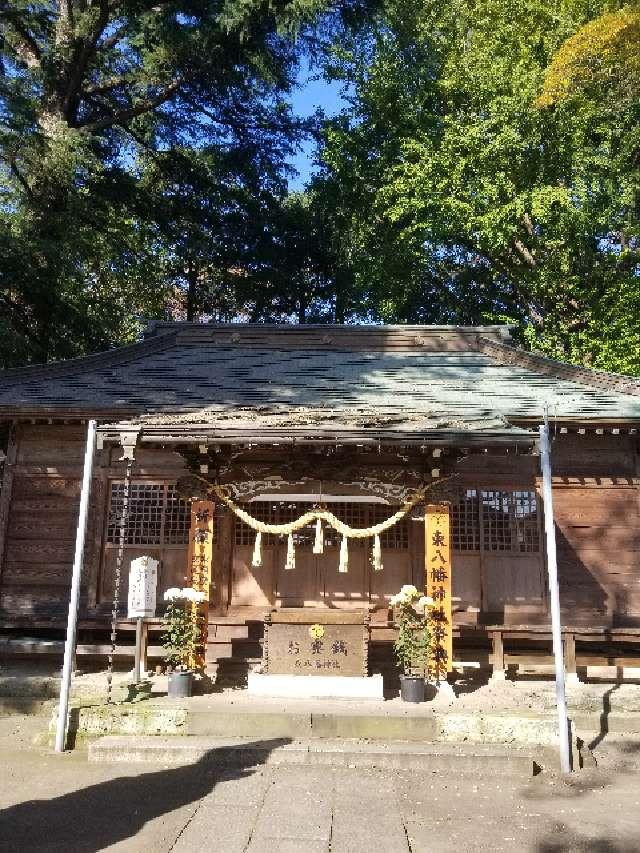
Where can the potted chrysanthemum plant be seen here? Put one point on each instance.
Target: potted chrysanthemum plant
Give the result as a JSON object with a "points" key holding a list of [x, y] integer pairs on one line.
{"points": [[412, 645], [182, 635]]}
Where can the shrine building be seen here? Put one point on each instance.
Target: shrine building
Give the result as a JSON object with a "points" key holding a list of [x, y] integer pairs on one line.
{"points": [[354, 421]]}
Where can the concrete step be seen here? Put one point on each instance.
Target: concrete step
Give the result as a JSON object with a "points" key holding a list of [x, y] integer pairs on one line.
{"points": [[435, 758]]}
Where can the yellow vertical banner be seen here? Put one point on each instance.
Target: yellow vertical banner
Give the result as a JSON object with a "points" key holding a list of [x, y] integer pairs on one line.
{"points": [[437, 583], [200, 561]]}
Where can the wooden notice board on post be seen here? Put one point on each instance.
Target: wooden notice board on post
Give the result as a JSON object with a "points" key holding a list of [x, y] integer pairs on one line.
{"points": [[200, 560], [437, 584]]}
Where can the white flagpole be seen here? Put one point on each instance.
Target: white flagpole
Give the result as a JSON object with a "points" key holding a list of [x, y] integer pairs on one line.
{"points": [[554, 595], [74, 596]]}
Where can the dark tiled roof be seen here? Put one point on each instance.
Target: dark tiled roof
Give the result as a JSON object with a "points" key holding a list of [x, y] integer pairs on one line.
{"points": [[441, 375]]}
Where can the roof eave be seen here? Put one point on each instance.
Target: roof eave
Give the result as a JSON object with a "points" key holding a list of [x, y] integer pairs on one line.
{"points": [[207, 433]]}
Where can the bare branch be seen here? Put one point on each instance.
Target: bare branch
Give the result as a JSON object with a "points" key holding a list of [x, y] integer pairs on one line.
{"points": [[28, 50], [113, 39], [528, 224], [524, 253], [144, 106], [20, 178], [64, 25], [107, 85], [82, 59]]}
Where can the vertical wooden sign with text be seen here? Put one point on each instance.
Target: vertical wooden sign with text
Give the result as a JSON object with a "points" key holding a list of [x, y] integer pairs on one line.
{"points": [[437, 584], [200, 562]]}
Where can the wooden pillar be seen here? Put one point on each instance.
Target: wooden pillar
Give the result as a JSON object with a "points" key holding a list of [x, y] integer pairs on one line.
{"points": [[224, 558], [497, 656], [438, 586], [416, 547], [8, 470], [200, 560], [97, 517], [571, 669]]}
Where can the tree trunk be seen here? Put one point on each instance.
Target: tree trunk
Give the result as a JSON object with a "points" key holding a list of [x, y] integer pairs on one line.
{"points": [[192, 283]]}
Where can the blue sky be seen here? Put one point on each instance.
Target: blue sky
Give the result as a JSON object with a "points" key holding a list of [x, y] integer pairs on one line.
{"points": [[311, 94]]}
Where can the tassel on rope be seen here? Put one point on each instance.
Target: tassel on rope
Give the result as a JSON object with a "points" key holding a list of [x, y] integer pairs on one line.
{"points": [[291, 553], [318, 545], [343, 565], [376, 554], [257, 550]]}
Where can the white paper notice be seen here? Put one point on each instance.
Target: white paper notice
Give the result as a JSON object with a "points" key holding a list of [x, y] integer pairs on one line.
{"points": [[143, 580]]}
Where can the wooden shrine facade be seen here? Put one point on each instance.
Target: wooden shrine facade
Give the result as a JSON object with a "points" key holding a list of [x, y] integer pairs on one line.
{"points": [[372, 415], [496, 532]]}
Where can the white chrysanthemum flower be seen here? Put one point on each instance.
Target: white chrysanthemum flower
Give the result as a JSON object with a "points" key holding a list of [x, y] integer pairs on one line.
{"points": [[422, 603], [409, 591], [192, 595], [172, 594]]}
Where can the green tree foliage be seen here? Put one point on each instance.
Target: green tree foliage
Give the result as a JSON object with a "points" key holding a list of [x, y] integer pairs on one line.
{"points": [[463, 201], [105, 103]]}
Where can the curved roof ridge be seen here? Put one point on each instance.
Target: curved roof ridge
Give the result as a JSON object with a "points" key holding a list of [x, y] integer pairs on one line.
{"points": [[107, 358], [161, 326], [508, 354]]}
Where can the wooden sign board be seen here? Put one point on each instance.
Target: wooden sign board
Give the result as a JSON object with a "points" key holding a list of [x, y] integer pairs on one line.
{"points": [[315, 642], [143, 582], [201, 535], [437, 584]]}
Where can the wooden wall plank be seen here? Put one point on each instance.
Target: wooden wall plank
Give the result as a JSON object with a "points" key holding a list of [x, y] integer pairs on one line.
{"points": [[38, 574], [6, 493]]}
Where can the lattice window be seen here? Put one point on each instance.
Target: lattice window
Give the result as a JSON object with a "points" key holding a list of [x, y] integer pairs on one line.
{"points": [[264, 511], [353, 514], [397, 537], [497, 521], [465, 522], [510, 522], [177, 518], [156, 515]]}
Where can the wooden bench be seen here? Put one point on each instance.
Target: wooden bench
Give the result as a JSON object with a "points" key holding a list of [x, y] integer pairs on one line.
{"points": [[602, 635], [17, 644]]}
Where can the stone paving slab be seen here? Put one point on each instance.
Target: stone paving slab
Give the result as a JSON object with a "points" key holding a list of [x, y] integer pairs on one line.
{"points": [[64, 804], [230, 828], [287, 845]]}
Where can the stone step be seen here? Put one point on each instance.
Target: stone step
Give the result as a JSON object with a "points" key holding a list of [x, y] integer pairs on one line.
{"points": [[233, 671], [239, 649], [249, 630], [432, 757]]}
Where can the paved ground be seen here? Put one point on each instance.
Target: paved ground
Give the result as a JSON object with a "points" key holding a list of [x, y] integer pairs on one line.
{"points": [[63, 804]]}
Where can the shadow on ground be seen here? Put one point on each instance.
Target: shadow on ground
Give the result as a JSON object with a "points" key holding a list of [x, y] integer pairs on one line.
{"points": [[561, 841], [100, 815]]}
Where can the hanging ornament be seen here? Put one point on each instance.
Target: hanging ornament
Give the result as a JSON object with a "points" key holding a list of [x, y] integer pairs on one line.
{"points": [[343, 565], [291, 554], [257, 551], [318, 545], [376, 554]]}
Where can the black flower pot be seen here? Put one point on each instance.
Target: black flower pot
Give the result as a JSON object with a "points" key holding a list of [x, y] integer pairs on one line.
{"points": [[180, 684], [412, 688]]}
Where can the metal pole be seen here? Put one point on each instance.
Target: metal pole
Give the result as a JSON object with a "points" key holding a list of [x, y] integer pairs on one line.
{"points": [[554, 595], [122, 536], [74, 596]]}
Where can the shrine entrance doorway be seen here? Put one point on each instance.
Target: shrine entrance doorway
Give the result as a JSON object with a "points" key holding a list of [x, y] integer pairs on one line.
{"points": [[315, 581]]}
